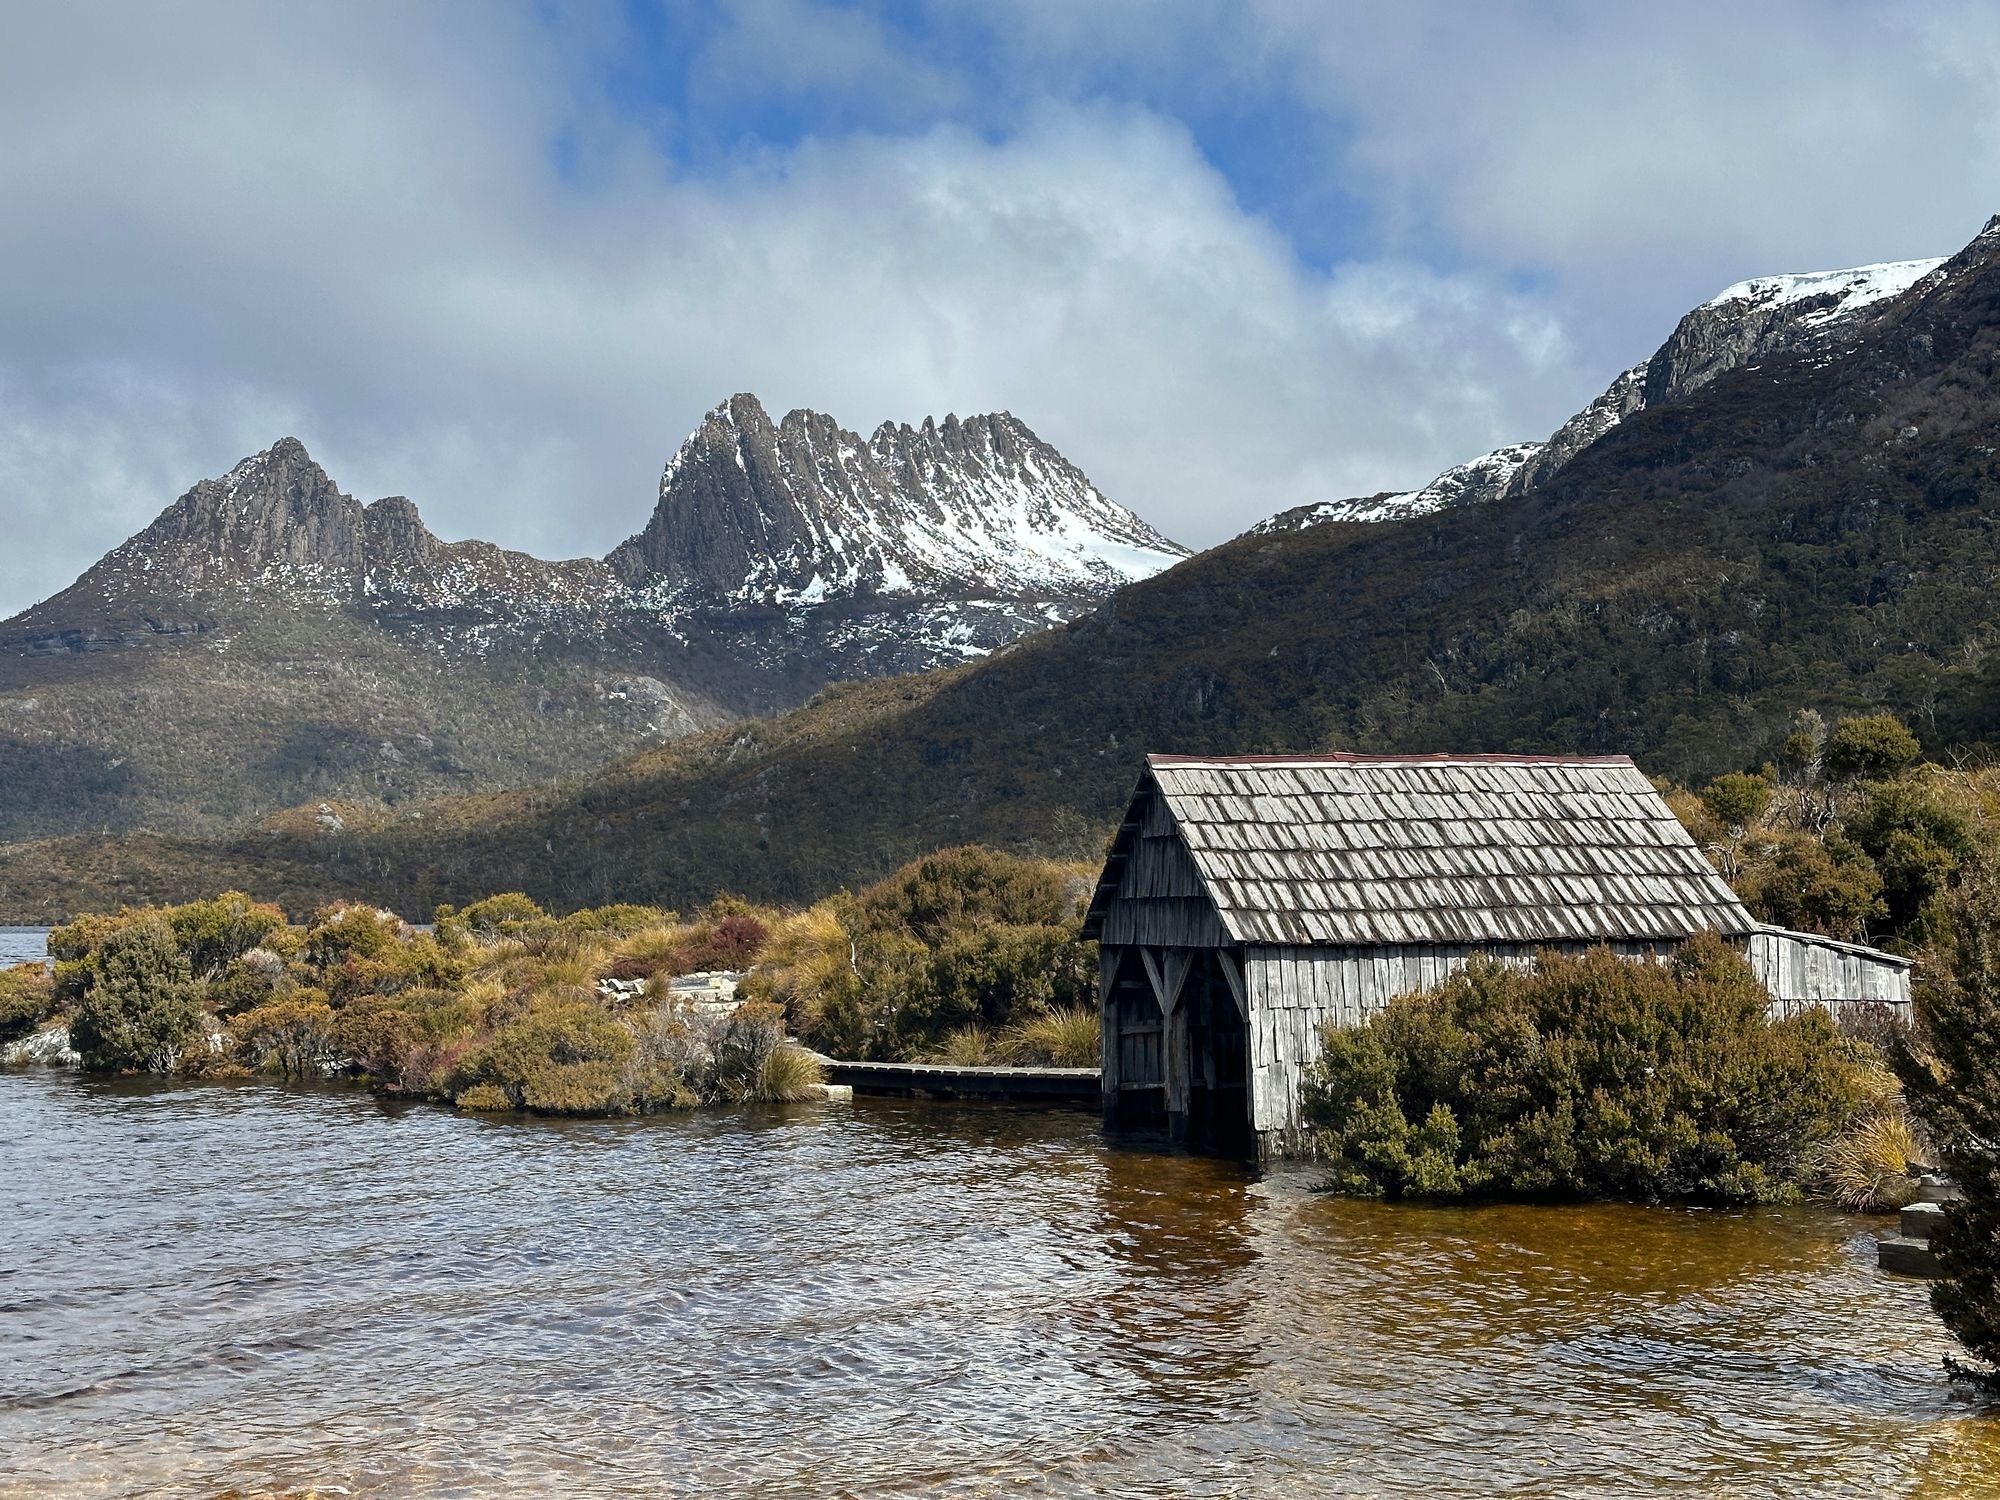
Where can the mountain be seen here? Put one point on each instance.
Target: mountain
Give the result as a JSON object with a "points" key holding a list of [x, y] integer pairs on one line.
{"points": [[819, 555], [269, 639], [1751, 320], [1822, 530]]}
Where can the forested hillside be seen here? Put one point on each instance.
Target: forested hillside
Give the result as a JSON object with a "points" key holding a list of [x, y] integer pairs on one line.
{"points": [[1819, 529]]}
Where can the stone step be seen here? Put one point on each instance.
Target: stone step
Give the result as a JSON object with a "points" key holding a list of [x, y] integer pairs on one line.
{"points": [[1932, 1188], [1920, 1219], [1906, 1257]]}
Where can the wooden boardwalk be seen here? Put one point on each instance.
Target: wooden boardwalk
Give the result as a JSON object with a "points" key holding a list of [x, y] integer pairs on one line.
{"points": [[1078, 1086]]}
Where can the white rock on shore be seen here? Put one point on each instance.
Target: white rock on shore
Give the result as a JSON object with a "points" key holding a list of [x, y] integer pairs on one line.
{"points": [[47, 1048]]}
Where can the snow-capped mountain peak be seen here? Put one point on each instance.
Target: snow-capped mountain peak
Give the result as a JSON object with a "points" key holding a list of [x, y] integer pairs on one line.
{"points": [[1743, 322], [803, 510]]}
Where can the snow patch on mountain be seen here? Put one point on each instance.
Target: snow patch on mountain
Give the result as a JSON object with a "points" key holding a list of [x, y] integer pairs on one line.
{"points": [[1482, 478], [1849, 290], [802, 511]]}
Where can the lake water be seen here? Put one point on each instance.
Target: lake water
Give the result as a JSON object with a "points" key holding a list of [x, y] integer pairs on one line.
{"points": [[19, 945], [210, 1289]]}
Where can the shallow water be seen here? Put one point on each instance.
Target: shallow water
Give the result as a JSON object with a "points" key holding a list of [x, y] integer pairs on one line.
{"points": [[234, 1288]]}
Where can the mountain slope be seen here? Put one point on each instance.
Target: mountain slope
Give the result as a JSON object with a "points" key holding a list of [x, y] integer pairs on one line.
{"points": [[1821, 530], [1751, 320], [269, 639]]}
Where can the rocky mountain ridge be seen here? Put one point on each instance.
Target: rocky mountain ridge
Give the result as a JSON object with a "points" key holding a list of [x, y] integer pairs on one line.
{"points": [[1751, 320], [801, 510], [386, 663]]}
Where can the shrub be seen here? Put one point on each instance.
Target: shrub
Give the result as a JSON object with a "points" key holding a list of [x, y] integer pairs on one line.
{"points": [[253, 979], [993, 976], [504, 915], [1812, 885], [27, 998], [564, 1059], [1584, 1077], [968, 886], [742, 1043], [1737, 800], [617, 921], [410, 1043], [1866, 1168], [1869, 748], [807, 959], [141, 1007], [1950, 1070], [1918, 842], [340, 934], [292, 1037], [214, 934], [489, 1097], [967, 1047], [732, 942]]}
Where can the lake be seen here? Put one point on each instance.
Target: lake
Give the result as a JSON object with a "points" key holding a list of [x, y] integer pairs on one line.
{"points": [[210, 1288], [19, 945]]}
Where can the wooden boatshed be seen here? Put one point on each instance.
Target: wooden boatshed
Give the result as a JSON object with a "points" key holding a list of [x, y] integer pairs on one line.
{"points": [[1249, 900]]}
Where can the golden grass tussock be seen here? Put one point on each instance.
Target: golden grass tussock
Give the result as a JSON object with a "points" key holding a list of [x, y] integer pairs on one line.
{"points": [[967, 1047], [1061, 1039], [790, 1074], [1868, 1167]]}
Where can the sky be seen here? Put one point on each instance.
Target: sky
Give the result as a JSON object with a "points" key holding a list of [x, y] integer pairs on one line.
{"points": [[1228, 257]]}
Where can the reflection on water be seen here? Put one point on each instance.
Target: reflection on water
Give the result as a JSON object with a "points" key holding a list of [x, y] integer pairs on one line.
{"points": [[219, 1288]]}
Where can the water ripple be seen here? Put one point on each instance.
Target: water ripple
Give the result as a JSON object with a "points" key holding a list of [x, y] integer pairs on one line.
{"points": [[234, 1289]]}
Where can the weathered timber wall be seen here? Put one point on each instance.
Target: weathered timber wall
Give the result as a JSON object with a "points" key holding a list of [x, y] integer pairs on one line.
{"points": [[1802, 970]]}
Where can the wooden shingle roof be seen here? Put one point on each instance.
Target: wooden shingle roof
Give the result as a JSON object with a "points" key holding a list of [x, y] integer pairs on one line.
{"points": [[1367, 850]]}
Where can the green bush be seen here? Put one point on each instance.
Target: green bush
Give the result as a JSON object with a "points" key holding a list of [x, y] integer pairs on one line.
{"points": [[1870, 748], [1584, 1077], [351, 932], [965, 940], [1918, 841], [141, 1007], [564, 1059], [970, 886], [214, 934], [504, 915], [1809, 884], [618, 921], [1737, 799], [992, 977]]}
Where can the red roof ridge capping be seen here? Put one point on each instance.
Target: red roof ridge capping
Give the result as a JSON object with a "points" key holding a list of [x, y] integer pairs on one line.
{"points": [[1356, 757]]}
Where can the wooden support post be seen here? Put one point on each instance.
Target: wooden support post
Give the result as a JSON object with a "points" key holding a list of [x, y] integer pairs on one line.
{"points": [[1168, 971], [1107, 1026], [1175, 1059]]}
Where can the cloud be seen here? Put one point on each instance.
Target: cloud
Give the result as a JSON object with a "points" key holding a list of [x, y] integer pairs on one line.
{"points": [[352, 223], [503, 268]]}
